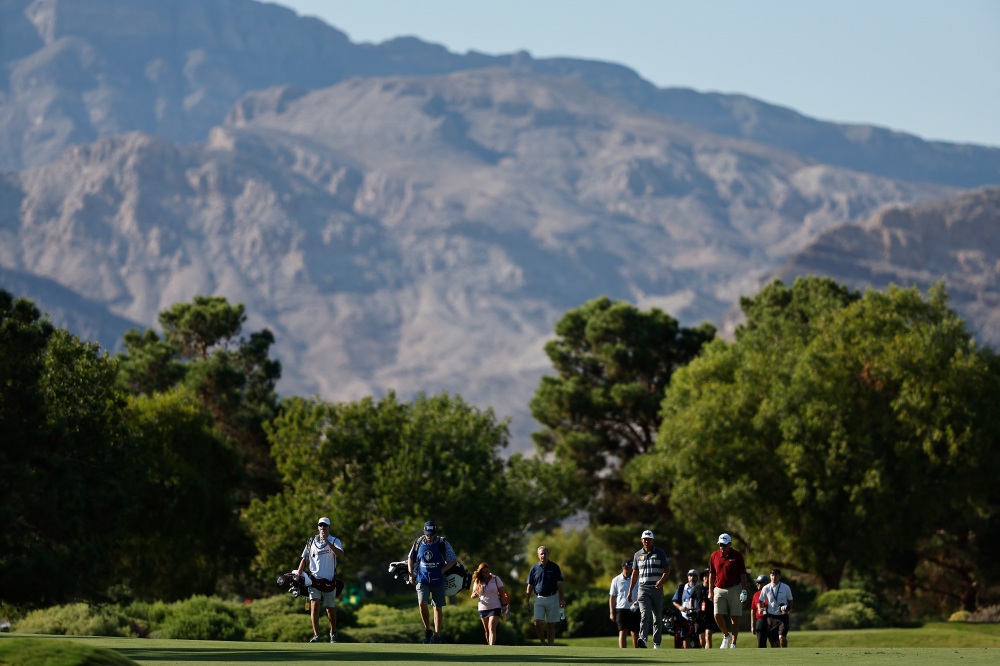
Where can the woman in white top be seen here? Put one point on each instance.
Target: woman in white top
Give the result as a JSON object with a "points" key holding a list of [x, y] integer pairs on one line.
{"points": [[493, 600]]}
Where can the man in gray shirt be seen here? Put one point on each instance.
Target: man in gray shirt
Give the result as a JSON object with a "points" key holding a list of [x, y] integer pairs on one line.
{"points": [[650, 567]]}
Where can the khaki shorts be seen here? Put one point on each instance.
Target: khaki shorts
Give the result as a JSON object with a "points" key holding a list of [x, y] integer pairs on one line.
{"points": [[328, 599], [547, 608], [727, 601]]}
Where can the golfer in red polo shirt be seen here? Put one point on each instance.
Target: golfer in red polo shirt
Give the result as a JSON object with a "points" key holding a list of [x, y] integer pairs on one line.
{"points": [[727, 578]]}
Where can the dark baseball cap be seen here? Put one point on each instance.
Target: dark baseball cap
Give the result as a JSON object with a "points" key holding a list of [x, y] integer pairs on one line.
{"points": [[430, 527], [627, 563]]}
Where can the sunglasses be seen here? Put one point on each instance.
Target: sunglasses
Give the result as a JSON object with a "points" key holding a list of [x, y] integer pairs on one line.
{"points": [[323, 525]]}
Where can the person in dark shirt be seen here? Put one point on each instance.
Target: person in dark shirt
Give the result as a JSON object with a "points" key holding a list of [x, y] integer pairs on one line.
{"points": [[546, 580]]}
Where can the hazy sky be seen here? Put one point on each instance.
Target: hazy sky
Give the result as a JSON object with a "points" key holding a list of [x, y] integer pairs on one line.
{"points": [[928, 67]]}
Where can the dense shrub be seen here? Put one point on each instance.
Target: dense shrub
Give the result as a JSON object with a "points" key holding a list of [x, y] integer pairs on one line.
{"points": [[283, 618], [204, 618], [984, 614], [78, 620], [846, 609], [587, 615], [283, 629], [372, 615]]}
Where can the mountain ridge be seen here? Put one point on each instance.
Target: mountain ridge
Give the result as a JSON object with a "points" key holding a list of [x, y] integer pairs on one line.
{"points": [[73, 79]]}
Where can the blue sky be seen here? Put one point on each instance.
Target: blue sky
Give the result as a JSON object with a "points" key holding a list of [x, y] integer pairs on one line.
{"points": [[927, 67]]}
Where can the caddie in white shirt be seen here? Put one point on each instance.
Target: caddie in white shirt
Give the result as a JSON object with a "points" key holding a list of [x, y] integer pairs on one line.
{"points": [[321, 555], [779, 602]]}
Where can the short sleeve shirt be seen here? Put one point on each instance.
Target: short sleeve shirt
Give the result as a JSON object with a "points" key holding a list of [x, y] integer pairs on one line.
{"points": [[727, 570], [650, 565], [619, 590], [544, 580], [777, 596], [489, 594], [321, 558], [688, 596]]}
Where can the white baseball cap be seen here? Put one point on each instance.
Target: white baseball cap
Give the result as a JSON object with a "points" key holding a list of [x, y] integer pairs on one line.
{"points": [[724, 539], [648, 534], [323, 521]]}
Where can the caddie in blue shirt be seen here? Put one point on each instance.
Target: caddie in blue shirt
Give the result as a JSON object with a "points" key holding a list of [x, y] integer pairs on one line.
{"points": [[430, 558]]}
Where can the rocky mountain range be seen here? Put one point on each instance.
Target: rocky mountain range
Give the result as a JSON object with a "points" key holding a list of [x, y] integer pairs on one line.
{"points": [[401, 216], [956, 240]]}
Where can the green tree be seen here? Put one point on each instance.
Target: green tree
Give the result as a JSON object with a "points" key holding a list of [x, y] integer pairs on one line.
{"points": [[64, 458], [602, 408], [203, 347], [379, 469], [836, 431], [187, 469]]}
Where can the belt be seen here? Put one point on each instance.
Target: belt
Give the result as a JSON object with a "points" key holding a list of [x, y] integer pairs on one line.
{"points": [[544, 596]]}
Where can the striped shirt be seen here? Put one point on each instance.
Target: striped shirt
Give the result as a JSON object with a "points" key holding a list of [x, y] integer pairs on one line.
{"points": [[650, 565]]}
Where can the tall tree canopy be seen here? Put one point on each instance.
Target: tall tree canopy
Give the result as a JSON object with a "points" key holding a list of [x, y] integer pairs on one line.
{"points": [[836, 431], [379, 469], [203, 348], [64, 460], [187, 468], [602, 408]]}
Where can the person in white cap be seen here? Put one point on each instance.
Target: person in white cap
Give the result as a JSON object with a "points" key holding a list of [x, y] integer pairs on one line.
{"points": [[650, 567], [727, 579], [321, 555]]}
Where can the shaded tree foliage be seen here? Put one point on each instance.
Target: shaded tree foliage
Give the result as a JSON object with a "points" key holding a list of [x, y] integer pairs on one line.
{"points": [[602, 408], [64, 460], [185, 537], [203, 348], [836, 431], [379, 469]]}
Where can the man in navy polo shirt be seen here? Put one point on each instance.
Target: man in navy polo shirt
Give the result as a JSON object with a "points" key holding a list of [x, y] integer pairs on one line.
{"points": [[546, 580], [650, 566]]}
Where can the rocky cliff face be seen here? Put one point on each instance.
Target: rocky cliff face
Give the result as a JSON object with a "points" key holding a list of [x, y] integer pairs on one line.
{"points": [[956, 241], [73, 71], [425, 233]]}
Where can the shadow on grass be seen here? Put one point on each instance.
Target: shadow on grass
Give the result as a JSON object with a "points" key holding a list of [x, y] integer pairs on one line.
{"points": [[346, 654]]}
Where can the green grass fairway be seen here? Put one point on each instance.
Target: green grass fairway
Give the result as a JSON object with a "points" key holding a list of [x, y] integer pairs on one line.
{"points": [[174, 652], [938, 643]]}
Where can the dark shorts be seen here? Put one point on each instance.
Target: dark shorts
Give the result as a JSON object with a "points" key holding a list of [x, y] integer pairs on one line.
{"points": [[493, 612], [777, 625], [627, 620]]}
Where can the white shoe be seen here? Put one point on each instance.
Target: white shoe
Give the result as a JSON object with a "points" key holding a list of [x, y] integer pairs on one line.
{"points": [[732, 645], [656, 646], [726, 640]]}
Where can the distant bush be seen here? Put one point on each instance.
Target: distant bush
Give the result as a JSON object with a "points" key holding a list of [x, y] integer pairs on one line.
{"points": [[282, 629], [984, 614], [204, 618], [846, 609], [78, 620], [373, 615], [587, 615]]}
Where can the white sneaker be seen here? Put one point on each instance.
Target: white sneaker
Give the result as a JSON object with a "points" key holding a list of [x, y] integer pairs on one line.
{"points": [[732, 645], [726, 640], [656, 646]]}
